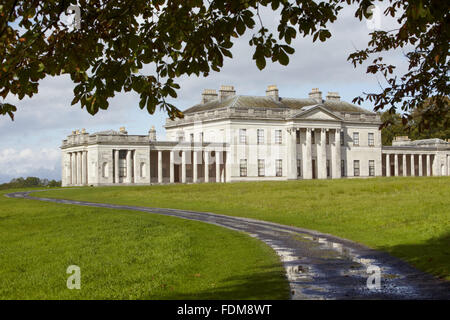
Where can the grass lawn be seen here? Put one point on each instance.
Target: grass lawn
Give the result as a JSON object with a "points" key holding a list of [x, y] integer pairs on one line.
{"points": [[128, 255], [407, 217]]}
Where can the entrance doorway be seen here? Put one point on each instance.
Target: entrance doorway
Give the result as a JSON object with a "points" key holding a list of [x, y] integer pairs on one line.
{"points": [[314, 176]]}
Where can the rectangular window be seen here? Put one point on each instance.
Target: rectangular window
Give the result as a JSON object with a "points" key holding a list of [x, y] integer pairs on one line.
{"points": [[260, 136], [343, 168], [278, 137], [279, 167], [327, 135], [243, 136], [261, 168], [371, 139], [122, 168], [328, 168], [243, 167], [342, 138], [299, 167], [297, 137], [356, 138], [356, 168], [313, 137], [372, 168]]}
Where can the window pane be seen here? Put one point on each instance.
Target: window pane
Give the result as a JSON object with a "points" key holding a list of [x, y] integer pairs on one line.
{"points": [[278, 137], [279, 168], [243, 135], [243, 167], [356, 168], [260, 136], [371, 168], [299, 167], [371, 139], [261, 168], [356, 138]]}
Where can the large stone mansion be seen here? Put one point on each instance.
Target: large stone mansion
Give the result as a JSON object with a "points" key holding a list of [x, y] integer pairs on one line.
{"points": [[229, 137]]}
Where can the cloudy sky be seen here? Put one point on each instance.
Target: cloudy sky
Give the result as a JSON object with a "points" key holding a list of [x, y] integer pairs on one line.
{"points": [[30, 144]]}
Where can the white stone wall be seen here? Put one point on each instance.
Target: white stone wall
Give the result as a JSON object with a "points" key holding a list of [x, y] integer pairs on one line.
{"points": [[363, 152]]}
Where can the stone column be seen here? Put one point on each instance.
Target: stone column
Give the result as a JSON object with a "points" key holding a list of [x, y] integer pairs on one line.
{"points": [[160, 171], [79, 168], [129, 166], [291, 152], [306, 154], [445, 167], [222, 174], [217, 166], [183, 166], [227, 167], [404, 171], [413, 169], [84, 168], [336, 155], [428, 165], [70, 182], [136, 166], [195, 167], [74, 168], [322, 156], [396, 165], [206, 153], [116, 166], [420, 166], [388, 165], [172, 167], [448, 165]]}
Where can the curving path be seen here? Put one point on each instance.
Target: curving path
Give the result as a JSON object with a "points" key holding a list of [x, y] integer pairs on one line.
{"points": [[318, 266]]}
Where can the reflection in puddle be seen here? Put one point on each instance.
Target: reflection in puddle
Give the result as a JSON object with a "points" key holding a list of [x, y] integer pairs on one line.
{"points": [[299, 276]]}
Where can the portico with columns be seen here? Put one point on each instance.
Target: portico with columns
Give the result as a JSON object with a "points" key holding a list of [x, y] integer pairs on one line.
{"points": [[427, 157], [116, 158]]}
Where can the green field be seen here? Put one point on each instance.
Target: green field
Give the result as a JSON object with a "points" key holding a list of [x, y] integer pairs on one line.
{"points": [[128, 255], [407, 217]]}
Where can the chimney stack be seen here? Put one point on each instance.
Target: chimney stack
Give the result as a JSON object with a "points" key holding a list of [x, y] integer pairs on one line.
{"points": [[333, 96], [209, 95], [152, 134], [226, 91], [272, 91], [122, 130], [316, 95]]}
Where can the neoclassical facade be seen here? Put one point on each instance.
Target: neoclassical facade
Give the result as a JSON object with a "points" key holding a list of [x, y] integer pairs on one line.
{"points": [[229, 137]]}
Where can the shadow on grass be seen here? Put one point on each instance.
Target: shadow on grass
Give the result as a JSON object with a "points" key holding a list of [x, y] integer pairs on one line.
{"points": [[265, 284], [432, 257]]}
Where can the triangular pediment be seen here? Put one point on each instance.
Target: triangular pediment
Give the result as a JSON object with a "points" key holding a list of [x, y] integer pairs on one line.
{"points": [[316, 112]]}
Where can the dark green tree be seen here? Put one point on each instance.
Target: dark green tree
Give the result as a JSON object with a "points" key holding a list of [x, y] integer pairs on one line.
{"points": [[418, 125], [106, 53]]}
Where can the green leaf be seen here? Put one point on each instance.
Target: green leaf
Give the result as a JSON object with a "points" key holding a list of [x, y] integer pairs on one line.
{"points": [[283, 58], [240, 27], [261, 62]]}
